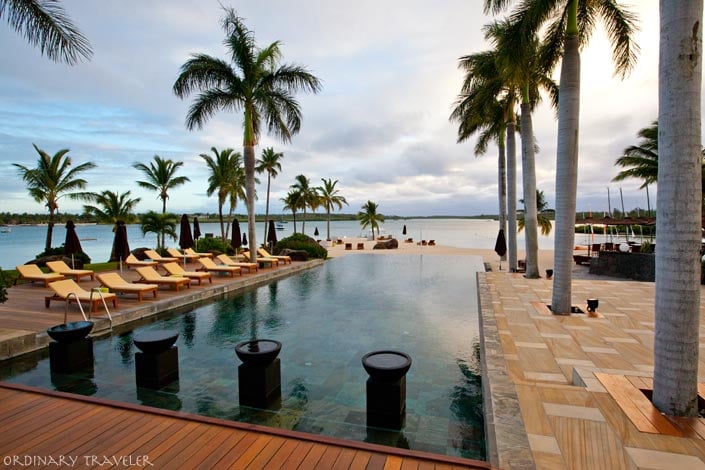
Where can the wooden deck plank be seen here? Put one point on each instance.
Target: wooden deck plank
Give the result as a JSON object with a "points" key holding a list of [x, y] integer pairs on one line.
{"points": [[360, 461], [328, 458], [312, 457], [279, 459], [298, 455], [345, 458], [216, 448], [265, 455], [393, 463]]}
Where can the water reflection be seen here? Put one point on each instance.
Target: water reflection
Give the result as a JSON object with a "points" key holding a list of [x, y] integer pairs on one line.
{"points": [[124, 347], [188, 328], [80, 383]]}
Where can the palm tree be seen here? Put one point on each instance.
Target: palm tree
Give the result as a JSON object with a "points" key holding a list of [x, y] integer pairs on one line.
{"points": [[223, 168], [678, 220], [544, 222], [161, 224], [256, 84], [571, 25], [369, 217], [293, 202], [51, 180], [109, 207], [161, 177], [523, 65], [44, 24], [308, 196], [330, 198], [271, 163], [641, 160], [486, 104]]}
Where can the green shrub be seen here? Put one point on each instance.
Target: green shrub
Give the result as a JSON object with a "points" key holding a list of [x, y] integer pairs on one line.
{"points": [[299, 241], [212, 243], [61, 251]]}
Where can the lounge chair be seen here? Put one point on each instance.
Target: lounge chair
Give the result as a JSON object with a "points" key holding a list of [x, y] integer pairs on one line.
{"points": [[265, 253], [189, 251], [132, 262], [154, 256], [68, 291], [209, 265], [228, 261], [261, 259], [176, 270], [150, 276], [63, 268], [31, 272], [177, 254], [118, 285]]}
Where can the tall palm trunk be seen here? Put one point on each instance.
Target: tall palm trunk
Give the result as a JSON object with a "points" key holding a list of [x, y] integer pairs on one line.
{"points": [[223, 236], [303, 222], [163, 235], [528, 168], [502, 183], [328, 223], [266, 210], [511, 196], [250, 193], [679, 209], [566, 176], [50, 231]]}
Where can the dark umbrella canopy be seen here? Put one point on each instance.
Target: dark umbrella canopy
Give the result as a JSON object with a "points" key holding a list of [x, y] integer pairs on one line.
{"points": [[236, 240], [315, 232], [72, 244], [244, 239], [500, 246], [403, 231], [272, 234], [121, 248], [185, 237], [196, 229]]}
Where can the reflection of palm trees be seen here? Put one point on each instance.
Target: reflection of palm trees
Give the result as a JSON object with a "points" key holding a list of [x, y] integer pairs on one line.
{"points": [[466, 405], [188, 328], [124, 347]]}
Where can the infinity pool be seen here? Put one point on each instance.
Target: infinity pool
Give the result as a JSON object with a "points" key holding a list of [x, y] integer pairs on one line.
{"points": [[326, 319]]}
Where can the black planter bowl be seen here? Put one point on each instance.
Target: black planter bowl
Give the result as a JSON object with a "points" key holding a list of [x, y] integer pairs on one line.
{"points": [[70, 332], [386, 366], [258, 352], [156, 341], [549, 273], [592, 305]]}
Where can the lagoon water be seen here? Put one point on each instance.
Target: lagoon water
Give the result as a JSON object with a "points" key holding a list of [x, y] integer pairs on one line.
{"points": [[23, 243]]}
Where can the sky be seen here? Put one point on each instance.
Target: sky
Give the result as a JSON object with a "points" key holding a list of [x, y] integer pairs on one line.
{"points": [[379, 125]]}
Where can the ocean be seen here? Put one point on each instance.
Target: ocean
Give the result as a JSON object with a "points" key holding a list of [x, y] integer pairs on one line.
{"points": [[23, 243]]}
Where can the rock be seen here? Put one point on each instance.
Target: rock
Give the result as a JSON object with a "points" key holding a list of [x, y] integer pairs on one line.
{"points": [[42, 261], [139, 253], [296, 255], [386, 245]]}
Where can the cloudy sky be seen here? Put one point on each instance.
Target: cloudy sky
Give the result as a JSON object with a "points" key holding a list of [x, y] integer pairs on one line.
{"points": [[379, 126]]}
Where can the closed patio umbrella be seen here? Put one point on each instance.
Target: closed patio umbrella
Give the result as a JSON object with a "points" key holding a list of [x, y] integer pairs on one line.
{"points": [[121, 248], [272, 235], [196, 231], [500, 246], [236, 240], [185, 237], [244, 239], [403, 231], [315, 232], [72, 245]]}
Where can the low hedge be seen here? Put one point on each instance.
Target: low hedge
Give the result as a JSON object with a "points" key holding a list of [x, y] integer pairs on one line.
{"points": [[299, 241]]}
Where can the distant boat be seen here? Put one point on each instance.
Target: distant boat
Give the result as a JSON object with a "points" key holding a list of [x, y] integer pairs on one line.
{"points": [[279, 226], [5, 230]]}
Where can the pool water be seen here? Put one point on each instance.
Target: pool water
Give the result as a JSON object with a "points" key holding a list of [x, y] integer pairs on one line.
{"points": [[326, 319]]}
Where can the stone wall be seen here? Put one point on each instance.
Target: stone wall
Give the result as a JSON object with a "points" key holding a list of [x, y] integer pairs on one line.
{"points": [[638, 266]]}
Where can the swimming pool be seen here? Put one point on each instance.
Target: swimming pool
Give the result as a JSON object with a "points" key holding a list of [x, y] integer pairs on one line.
{"points": [[326, 319]]}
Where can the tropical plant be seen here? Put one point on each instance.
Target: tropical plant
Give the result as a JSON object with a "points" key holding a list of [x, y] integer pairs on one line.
{"points": [[481, 108], [544, 221], [226, 178], [256, 84], [293, 202], [330, 198], [523, 65], [161, 177], [678, 218], [51, 180], [369, 217], [270, 162], [308, 197], [109, 207], [570, 25], [299, 241], [161, 224], [44, 24]]}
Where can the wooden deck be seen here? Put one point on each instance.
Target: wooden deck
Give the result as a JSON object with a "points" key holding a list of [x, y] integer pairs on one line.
{"points": [[572, 385], [40, 428]]}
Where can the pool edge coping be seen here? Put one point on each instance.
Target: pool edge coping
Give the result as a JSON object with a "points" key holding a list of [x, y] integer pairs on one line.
{"points": [[505, 434]]}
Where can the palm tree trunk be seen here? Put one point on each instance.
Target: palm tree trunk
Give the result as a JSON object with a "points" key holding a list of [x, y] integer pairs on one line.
{"points": [[529, 179], [328, 223], [266, 210], [222, 225], [50, 231], [679, 209], [249, 153], [303, 222], [566, 176], [511, 197], [502, 183], [163, 235]]}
